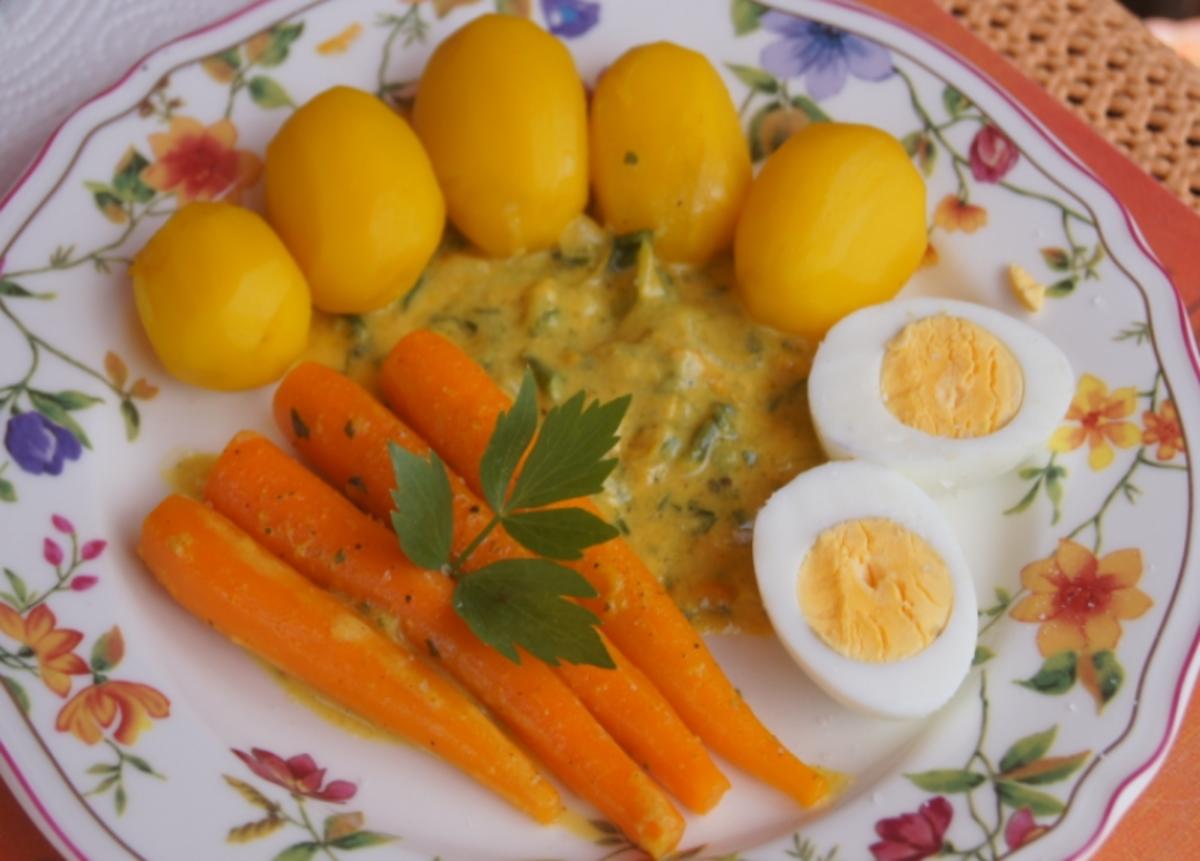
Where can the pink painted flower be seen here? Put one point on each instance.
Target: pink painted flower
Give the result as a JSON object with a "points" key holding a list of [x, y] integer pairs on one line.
{"points": [[92, 549], [993, 154], [83, 582], [1021, 829], [51, 552], [298, 774], [62, 524], [913, 836]]}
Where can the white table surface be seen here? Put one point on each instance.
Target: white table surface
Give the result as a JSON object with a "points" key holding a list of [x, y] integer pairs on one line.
{"points": [[56, 54]]}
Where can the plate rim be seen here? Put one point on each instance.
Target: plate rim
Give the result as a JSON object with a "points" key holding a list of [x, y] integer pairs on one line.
{"points": [[1126, 791]]}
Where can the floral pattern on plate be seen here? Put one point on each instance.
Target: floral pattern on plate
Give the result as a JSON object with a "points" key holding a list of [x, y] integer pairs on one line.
{"points": [[1075, 618]]}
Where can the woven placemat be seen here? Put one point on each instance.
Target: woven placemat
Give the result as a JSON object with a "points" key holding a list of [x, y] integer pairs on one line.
{"points": [[1100, 60]]}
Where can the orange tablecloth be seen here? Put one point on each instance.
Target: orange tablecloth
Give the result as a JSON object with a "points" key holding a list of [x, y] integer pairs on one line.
{"points": [[1163, 824]]}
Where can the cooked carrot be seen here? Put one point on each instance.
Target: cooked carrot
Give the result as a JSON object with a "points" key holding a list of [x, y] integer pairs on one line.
{"points": [[344, 432], [314, 528], [447, 398], [219, 574]]}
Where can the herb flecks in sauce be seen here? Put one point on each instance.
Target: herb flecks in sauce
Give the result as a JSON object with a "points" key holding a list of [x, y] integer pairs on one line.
{"points": [[675, 338]]}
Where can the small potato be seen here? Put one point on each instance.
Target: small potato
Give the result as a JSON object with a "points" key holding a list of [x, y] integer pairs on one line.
{"points": [[668, 154], [352, 194], [222, 301], [502, 113], [834, 221]]}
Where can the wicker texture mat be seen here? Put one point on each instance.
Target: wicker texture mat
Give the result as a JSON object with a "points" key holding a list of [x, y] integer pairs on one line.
{"points": [[1100, 60]]}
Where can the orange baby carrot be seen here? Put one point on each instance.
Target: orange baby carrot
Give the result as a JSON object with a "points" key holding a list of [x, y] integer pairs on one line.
{"points": [[344, 432], [447, 398], [314, 528], [221, 575]]}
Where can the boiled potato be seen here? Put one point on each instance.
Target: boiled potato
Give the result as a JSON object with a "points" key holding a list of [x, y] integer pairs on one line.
{"points": [[502, 113], [667, 151], [224, 304], [352, 194], [834, 221]]}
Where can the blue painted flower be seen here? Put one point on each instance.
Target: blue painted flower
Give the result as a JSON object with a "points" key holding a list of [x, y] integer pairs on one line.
{"points": [[570, 18], [823, 55], [38, 445]]}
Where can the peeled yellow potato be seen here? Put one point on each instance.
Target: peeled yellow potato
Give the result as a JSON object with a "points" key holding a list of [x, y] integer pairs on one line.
{"points": [[667, 151], [834, 221], [224, 304], [502, 113], [352, 194]]}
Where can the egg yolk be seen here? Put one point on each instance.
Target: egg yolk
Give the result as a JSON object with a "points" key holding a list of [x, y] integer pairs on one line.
{"points": [[950, 377], [874, 591]]}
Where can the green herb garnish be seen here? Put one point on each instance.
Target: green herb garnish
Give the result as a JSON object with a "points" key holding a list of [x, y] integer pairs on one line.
{"points": [[521, 602]]}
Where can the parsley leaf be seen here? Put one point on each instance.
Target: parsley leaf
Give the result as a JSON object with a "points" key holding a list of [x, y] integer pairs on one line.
{"points": [[511, 437], [424, 515], [520, 602], [567, 460], [558, 533]]}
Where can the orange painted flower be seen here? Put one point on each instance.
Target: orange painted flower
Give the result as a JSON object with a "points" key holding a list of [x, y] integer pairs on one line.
{"points": [[53, 647], [1080, 600], [1098, 418], [195, 162], [953, 213], [94, 709], [340, 43], [1163, 428]]}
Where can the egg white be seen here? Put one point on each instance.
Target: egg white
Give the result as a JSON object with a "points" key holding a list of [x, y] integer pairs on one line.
{"points": [[852, 420], [785, 530]]}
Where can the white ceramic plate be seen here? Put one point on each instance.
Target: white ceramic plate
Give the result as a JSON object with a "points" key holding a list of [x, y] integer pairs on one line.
{"points": [[122, 713]]}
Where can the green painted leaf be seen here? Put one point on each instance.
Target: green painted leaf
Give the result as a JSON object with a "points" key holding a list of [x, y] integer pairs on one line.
{"points": [[1017, 796], [360, 839], [1027, 749], [745, 15], [14, 290], [755, 79], [268, 93], [558, 533], [1050, 769], [341, 824], [811, 108], [982, 655], [513, 432], [17, 692], [758, 147], [1056, 676], [1057, 258], [104, 785], [45, 404], [127, 180], [1029, 473], [110, 205], [8, 493], [954, 101], [947, 780], [231, 57], [103, 768], [132, 419], [1058, 289], [424, 514], [108, 651], [73, 400], [522, 602], [20, 590], [1110, 674], [282, 37], [1027, 500], [120, 800], [1054, 490], [139, 763], [568, 459], [298, 852]]}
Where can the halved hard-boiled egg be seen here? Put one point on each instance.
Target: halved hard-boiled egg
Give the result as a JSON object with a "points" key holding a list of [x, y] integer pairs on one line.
{"points": [[867, 588], [946, 392]]}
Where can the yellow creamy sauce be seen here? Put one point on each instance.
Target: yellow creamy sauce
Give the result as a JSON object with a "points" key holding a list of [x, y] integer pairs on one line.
{"points": [[718, 420]]}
